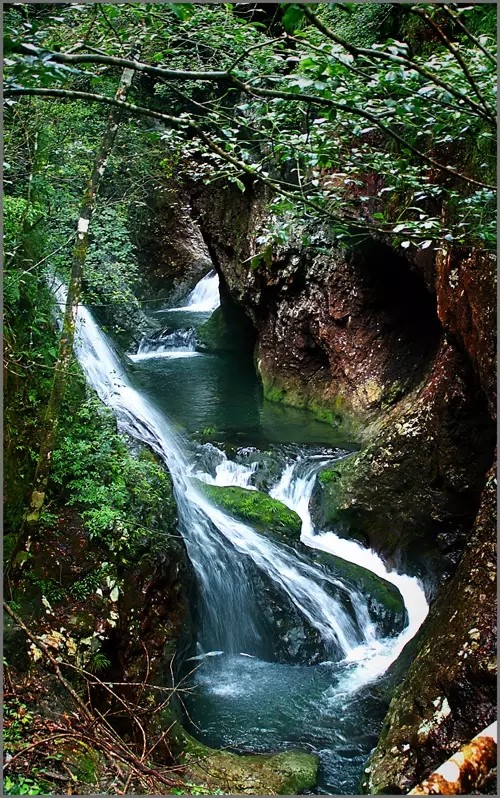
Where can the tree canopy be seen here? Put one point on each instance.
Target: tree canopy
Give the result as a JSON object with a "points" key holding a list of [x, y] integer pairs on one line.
{"points": [[379, 119]]}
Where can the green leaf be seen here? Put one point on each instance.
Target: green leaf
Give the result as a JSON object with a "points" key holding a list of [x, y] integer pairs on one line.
{"points": [[182, 10], [292, 18]]}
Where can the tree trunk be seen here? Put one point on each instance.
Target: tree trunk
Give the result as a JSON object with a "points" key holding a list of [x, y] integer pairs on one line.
{"points": [[52, 415], [466, 771]]}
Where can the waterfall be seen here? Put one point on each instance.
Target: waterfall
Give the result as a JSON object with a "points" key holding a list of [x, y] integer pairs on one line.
{"points": [[165, 343], [214, 540], [229, 473], [373, 658], [204, 298]]}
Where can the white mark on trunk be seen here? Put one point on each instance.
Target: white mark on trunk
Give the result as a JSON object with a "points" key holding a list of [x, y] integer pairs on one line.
{"points": [[83, 226]]}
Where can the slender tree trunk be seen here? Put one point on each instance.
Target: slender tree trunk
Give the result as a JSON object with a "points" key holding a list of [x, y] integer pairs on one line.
{"points": [[53, 412]]}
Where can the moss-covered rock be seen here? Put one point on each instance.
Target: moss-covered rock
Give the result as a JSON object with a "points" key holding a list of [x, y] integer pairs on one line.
{"points": [[284, 773], [385, 603], [267, 515], [290, 391]]}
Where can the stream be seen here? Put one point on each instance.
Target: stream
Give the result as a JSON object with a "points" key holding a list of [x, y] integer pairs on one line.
{"points": [[204, 416]]}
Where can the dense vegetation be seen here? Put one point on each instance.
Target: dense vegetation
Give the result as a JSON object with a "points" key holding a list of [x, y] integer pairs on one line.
{"points": [[371, 120]]}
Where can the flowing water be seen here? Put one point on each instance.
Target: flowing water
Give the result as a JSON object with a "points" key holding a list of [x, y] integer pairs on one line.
{"points": [[246, 698]]}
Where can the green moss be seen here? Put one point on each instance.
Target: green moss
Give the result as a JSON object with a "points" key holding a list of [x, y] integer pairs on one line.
{"points": [[368, 583], [87, 765], [328, 476], [334, 412], [285, 773], [259, 509]]}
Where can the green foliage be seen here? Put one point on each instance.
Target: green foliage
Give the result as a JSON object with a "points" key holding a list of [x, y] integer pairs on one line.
{"points": [[48, 587], [196, 789], [292, 18], [111, 274], [98, 662], [362, 24], [123, 500], [23, 785], [17, 721], [319, 149], [17, 734], [87, 585]]}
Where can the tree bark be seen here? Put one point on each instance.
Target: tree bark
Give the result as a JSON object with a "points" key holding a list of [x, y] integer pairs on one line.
{"points": [[467, 770], [53, 412]]}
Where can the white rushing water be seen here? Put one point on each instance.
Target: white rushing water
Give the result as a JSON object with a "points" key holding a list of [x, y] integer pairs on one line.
{"points": [[220, 546], [204, 297], [228, 473], [214, 539], [167, 344], [374, 657]]}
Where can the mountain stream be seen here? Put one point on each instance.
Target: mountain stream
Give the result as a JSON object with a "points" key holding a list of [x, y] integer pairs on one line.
{"points": [[246, 697]]}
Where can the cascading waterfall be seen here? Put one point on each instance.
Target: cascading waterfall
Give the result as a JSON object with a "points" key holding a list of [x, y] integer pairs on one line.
{"points": [[204, 298], [254, 697], [374, 657], [228, 600], [166, 343], [229, 473]]}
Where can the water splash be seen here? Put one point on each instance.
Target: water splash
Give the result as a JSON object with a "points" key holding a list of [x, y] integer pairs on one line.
{"points": [[372, 657], [229, 473], [167, 343]]}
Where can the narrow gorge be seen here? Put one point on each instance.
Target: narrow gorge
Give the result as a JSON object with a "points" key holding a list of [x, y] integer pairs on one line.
{"points": [[250, 405]]}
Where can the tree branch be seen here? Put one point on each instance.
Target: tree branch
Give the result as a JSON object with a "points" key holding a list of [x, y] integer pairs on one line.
{"points": [[41, 645], [123, 63], [458, 57], [295, 97], [395, 59], [456, 19]]}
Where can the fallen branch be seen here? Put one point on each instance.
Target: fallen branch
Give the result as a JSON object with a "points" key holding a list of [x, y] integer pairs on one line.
{"points": [[464, 772]]}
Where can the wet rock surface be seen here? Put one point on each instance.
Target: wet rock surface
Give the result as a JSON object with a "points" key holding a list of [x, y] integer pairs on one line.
{"points": [[449, 692], [171, 251], [284, 773], [412, 493], [400, 352]]}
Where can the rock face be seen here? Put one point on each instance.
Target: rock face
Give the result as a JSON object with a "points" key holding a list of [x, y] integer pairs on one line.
{"points": [[170, 248], [400, 352], [449, 692], [412, 493]]}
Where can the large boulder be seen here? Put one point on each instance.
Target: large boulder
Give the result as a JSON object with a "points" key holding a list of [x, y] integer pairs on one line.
{"points": [[385, 603], [413, 491], [284, 773], [449, 692]]}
